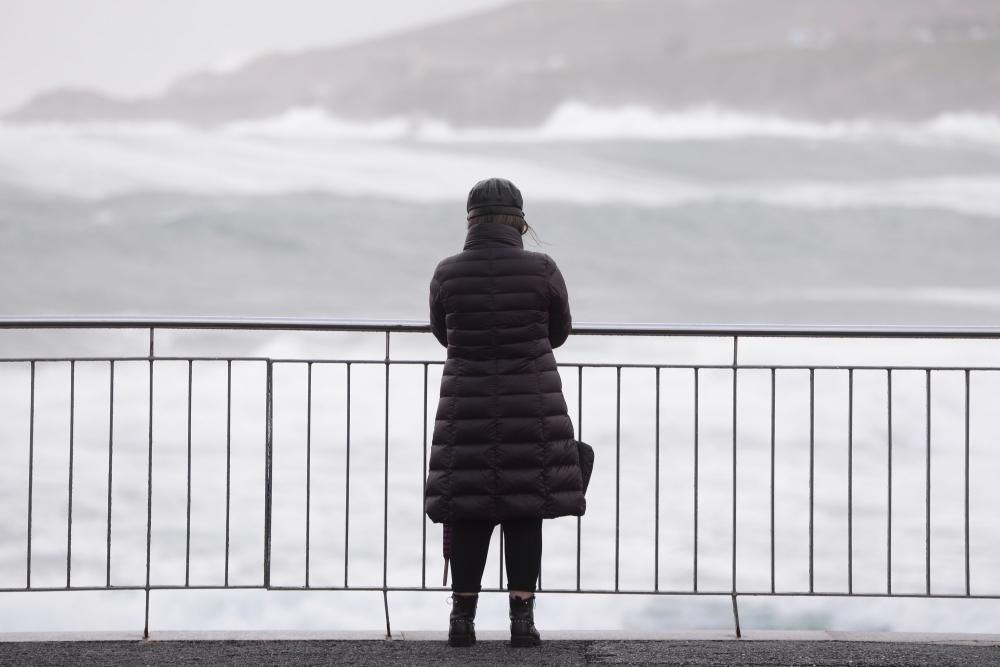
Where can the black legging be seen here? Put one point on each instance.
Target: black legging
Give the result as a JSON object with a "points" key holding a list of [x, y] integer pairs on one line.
{"points": [[470, 542]]}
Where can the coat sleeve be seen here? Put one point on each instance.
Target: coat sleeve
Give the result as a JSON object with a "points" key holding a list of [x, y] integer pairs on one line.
{"points": [[437, 310], [560, 320]]}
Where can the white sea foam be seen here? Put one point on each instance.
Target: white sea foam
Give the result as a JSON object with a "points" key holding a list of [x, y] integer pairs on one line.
{"points": [[312, 122], [580, 122], [575, 121], [979, 297]]}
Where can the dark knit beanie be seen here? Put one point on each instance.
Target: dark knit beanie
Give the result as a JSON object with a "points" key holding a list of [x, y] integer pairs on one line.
{"points": [[494, 196]]}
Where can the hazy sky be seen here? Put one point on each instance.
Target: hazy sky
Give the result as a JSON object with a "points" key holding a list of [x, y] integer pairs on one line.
{"points": [[134, 47]]}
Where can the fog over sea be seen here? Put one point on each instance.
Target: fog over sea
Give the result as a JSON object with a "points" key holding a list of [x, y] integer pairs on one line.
{"points": [[704, 215]]}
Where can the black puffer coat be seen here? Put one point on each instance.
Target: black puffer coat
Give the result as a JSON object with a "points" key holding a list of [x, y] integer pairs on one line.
{"points": [[503, 444]]}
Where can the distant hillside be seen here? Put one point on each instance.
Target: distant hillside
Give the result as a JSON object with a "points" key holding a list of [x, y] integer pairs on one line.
{"points": [[516, 64]]}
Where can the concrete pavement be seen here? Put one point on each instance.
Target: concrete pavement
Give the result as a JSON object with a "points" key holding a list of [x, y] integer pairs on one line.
{"points": [[430, 649]]}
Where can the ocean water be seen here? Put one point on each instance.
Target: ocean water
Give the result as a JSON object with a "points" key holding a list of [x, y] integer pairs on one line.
{"points": [[428, 161], [706, 216]]}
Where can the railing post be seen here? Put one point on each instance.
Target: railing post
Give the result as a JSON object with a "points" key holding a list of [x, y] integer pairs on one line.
{"points": [[69, 515], [968, 584], [187, 529], [772, 473], [423, 476], [229, 461], [347, 471], [850, 481], [309, 383], [149, 481], [656, 489], [268, 450], [31, 473], [111, 441], [694, 550], [927, 536], [618, 466], [735, 361], [385, 499], [579, 435], [812, 475], [888, 530], [736, 617]]}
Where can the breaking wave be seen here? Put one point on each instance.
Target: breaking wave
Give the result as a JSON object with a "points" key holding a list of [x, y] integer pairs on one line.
{"points": [[574, 121]]}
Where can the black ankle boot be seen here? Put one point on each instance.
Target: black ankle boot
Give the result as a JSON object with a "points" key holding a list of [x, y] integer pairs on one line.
{"points": [[522, 623], [462, 631]]}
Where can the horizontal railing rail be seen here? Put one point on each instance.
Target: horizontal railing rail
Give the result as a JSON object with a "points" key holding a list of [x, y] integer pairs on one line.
{"points": [[694, 381], [414, 326]]}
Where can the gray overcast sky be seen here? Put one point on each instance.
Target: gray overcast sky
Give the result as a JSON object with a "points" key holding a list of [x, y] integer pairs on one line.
{"points": [[134, 47]]}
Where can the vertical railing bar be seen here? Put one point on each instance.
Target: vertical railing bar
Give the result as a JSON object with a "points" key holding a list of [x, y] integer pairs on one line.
{"points": [[927, 524], [423, 476], [309, 368], [618, 448], [385, 605], [968, 587], [772, 476], [579, 434], [149, 482], [540, 576], [500, 559], [888, 562], [69, 513], [229, 430], [31, 471], [539, 581], [695, 572], [735, 370], [656, 500], [111, 440], [385, 499], [187, 531], [812, 429], [268, 454], [850, 481], [347, 472], [736, 617]]}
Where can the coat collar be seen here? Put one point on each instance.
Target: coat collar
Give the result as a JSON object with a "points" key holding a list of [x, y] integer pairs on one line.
{"points": [[485, 234]]}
